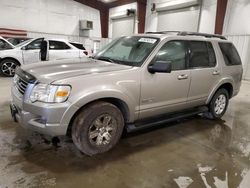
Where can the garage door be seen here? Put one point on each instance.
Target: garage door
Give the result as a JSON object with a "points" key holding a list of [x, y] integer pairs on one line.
{"points": [[186, 19], [122, 27]]}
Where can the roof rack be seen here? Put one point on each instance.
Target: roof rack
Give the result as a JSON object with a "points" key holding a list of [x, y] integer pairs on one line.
{"points": [[185, 33], [162, 32]]}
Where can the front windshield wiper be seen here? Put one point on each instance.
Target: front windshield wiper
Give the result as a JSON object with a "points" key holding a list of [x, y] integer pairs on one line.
{"points": [[113, 61], [106, 59]]}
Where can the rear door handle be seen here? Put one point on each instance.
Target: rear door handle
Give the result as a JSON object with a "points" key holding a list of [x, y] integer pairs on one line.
{"points": [[182, 77], [216, 72]]}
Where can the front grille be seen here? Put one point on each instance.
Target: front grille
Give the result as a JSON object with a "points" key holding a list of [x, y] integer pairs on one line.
{"points": [[21, 85], [22, 79]]}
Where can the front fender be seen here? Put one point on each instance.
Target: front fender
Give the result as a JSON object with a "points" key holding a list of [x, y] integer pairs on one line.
{"points": [[13, 54], [93, 96]]}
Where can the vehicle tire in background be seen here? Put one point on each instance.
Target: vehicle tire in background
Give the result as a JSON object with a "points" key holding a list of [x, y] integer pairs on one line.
{"points": [[8, 67], [97, 128], [218, 105]]}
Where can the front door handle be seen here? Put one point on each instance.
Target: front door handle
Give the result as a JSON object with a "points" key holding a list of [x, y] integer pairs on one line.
{"points": [[182, 77], [216, 72]]}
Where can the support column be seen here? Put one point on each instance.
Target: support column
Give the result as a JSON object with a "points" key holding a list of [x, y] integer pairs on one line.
{"points": [[141, 8], [104, 16], [220, 16]]}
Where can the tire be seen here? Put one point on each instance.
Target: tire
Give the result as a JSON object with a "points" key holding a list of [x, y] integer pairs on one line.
{"points": [[8, 67], [218, 105], [97, 128]]}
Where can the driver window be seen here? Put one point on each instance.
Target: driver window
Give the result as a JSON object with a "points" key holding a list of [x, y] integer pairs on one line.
{"points": [[35, 45], [174, 51]]}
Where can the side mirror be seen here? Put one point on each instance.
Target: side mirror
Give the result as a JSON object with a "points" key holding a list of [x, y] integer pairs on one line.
{"points": [[24, 48], [160, 66], [85, 52]]}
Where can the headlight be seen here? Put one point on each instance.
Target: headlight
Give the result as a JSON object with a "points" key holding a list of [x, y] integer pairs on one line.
{"points": [[50, 93], [15, 79]]}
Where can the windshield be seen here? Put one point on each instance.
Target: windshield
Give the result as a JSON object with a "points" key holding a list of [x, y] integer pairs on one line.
{"points": [[130, 51], [4, 45], [24, 42], [16, 41]]}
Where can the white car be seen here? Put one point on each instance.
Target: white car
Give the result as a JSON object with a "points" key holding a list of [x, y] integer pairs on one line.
{"points": [[5, 45], [80, 46], [35, 50]]}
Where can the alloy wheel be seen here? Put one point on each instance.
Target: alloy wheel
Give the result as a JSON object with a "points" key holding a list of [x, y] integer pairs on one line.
{"points": [[8, 68], [102, 130], [220, 104]]}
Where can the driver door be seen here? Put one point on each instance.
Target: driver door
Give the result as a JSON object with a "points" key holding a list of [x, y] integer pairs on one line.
{"points": [[31, 52], [166, 92]]}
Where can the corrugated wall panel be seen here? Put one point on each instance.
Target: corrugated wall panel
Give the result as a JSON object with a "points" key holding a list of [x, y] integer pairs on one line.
{"points": [[242, 43]]}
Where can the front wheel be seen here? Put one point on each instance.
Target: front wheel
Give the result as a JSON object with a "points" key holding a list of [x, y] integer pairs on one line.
{"points": [[218, 105], [8, 67], [97, 128]]}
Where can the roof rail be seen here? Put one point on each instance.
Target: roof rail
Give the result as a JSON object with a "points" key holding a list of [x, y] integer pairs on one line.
{"points": [[185, 33], [162, 32]]}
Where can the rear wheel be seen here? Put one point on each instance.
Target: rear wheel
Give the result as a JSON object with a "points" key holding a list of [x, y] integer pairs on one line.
{"points": [[218, 105], [97, 128], [8, 67]]}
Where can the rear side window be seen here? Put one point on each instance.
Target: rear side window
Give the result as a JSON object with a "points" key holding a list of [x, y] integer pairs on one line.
{"points": [[211, 55], [58, 45], [230, 54], [79, 46], [201, 54]]}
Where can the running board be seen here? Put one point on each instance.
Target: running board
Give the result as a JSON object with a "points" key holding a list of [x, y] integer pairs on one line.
{"points": [[170, 117]]}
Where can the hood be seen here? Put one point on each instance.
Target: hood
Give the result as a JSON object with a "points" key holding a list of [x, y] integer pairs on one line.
{"points": [[6, 50], [50, 71]]}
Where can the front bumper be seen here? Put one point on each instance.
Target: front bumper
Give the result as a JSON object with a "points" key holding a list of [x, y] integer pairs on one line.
{"points": [[40, 117]]}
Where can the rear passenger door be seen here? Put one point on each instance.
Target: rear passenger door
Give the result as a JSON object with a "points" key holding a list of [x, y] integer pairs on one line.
{"points": [[60, 50], [205, 71]]}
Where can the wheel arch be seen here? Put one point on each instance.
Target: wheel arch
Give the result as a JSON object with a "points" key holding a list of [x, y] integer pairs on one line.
{"points": [[4, 58], [226, 84], [119, 103]]}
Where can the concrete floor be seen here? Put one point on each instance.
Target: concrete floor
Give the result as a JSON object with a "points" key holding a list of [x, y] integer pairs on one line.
{"points": [[193, 153]]}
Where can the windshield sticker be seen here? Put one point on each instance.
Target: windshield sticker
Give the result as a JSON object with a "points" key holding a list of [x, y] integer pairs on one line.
{"points": [[147, 40]]}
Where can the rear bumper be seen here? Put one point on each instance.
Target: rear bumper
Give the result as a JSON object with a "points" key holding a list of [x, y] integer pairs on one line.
{"points": [[235, 92]]}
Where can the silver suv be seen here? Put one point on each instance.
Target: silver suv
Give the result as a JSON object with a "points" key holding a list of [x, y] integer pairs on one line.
{"points": [[133, 83]]}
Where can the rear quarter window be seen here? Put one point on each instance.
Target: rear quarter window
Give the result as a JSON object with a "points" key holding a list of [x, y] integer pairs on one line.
{"points": [[230, 54], [79, 46]]}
